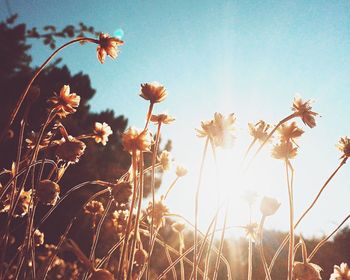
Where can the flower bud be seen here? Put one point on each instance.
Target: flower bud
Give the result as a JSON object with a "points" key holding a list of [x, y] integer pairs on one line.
{"points": [[269, 206]]}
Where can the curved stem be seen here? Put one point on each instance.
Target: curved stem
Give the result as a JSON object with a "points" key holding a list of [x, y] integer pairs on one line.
{"points": [[171, 187], [286, 239], [37, 72], [323, 241], [217, 264], [196, 209]]}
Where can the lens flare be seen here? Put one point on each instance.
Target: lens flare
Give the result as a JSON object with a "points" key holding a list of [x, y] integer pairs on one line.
{"points": [[119, 33]]}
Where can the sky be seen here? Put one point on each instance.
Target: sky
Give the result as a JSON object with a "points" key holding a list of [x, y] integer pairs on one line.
{"points": [[244, 57]]}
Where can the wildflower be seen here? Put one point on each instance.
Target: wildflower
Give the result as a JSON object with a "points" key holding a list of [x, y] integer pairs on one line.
{"points": [[33, 137], [120, 220], [140, 258], [66, 103], [47, 192], [38, 238], [154, 92], [107, 46], [344, 146], [101, 133], [219, 130], [23, 204], [306, 271], [159, 211], [178, 227], [259, 130], [70, 150], [101, 274], [181, 171], [162, 118], [122, 192], [269, 206], [289, 132], [251, 231], [136, 141], [341, 272], [303, 110], [94, 207], [164, 160], [284, 150]]}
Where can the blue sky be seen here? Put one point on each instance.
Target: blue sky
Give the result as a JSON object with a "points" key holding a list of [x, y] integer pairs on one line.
{"points": [[246, 57]]}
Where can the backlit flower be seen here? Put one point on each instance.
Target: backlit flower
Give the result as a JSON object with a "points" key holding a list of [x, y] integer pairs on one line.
{"points": [[344, 146], [289, 132], [162, 118], [164, 160], [122, 192], [219, 130], [341, 272], [94, 207], [70, 150], [154, 92], [259, 130], [269, 206], [306, 271], [102, 132], [33, 139], [303, 110], [284, 150], [251, 231], [133, 140], [47, 192], [38, 238], [181, 171], [107, 46], [159, 211], [65, 103]]}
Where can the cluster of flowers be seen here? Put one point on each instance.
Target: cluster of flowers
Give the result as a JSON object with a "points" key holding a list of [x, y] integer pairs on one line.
{"points": [[219, 133]]}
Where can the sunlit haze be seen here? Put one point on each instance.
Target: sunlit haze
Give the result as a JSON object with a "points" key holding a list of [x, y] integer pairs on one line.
{"points": [[229, 57]]}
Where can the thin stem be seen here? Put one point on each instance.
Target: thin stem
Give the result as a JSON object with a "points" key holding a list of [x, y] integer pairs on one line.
{"points": [[171, 187], [291, 223], [323, 241], [261, 248], [37, 72], [149, 114], [170, 261], [196, 209], [218, 257]]}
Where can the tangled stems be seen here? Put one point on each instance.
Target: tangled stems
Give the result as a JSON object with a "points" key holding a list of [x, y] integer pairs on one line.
{"points": [[137, 221], [196, 209], [279, 250], [261, 248], [128, 226], [37, 72], [291, 220], [217, 263], [154, 157]]}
